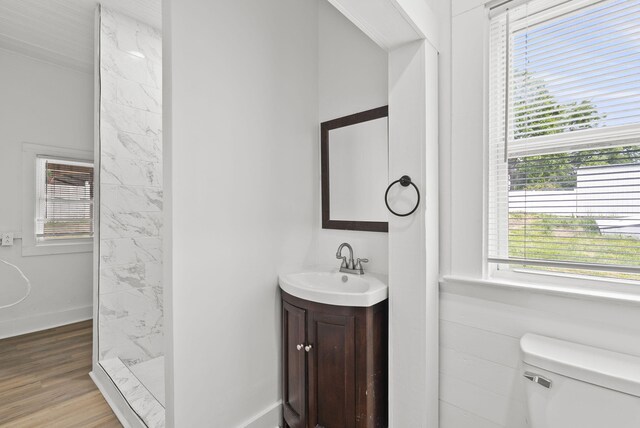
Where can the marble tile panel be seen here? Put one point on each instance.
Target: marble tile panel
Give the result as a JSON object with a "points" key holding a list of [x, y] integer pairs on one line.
{"points": [[125, 277], [131, 120], [129, 225], [117, 340], [126, 34], [143, 304], [151, 343], [130, 250], [131, 295], [137, 95], [128, 199], [131, 324], [115, 306], [108, 88], [129, 66], [123, 145], [142, 199], [115, 170], [115, 343]]}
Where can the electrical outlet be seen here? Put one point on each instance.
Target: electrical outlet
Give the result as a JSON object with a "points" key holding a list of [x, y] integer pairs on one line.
{"points": [[7, 239]]}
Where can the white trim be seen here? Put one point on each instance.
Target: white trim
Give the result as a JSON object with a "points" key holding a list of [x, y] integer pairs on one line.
{"points": [[67, 247], [30, 246], [269, 417], [486, 159], [17, 327], [564, 276], [497, 7], [460, 8], [538, 11], [576, 140], [167, 212], [564, 264], [421, 18], [392, 23], [96, 199], [577, 281], [495, 225], [454, 283], [369, 30]]}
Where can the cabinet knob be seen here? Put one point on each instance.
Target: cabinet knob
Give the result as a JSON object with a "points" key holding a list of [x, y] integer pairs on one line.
{"points": [[308, 348], [300, 346]]}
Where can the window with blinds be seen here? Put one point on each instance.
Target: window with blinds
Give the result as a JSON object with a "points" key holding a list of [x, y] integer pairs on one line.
{"points": [[64, 199], [564, 137]]}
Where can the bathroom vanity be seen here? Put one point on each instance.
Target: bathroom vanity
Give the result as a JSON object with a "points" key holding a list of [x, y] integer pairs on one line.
{"points": [[334, 363]]}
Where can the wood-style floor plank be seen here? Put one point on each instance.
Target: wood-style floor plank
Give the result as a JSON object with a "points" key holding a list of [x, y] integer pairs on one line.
{"points": [[44, 381]]}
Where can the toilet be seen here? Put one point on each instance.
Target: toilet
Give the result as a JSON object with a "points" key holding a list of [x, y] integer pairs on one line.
{"points": [[571, 385]]}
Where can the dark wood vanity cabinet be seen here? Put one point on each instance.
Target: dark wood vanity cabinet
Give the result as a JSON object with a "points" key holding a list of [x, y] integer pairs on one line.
{"points": [[294, 387], [334, 365]]}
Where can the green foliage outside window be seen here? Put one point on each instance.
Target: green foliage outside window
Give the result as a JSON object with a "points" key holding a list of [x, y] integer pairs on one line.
{"points": [[557, 171]]}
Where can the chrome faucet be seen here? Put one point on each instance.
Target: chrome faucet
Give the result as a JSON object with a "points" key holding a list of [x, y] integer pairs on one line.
{"points": [[348, 265]]}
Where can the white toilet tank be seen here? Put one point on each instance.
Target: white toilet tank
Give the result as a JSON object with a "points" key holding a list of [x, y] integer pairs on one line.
{"points": [[570, 385]]}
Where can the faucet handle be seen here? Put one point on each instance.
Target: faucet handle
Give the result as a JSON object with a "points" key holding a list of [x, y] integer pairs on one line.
{"points": [[344, 261], [359, 262]]}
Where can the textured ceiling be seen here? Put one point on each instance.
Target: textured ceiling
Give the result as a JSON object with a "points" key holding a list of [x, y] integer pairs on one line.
{"points": [[61, 31]]}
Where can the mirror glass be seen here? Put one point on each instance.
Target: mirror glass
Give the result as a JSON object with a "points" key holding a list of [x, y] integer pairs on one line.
{"points": [[355, 171]]}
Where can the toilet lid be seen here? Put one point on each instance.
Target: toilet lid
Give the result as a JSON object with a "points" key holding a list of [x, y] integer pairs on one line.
{"points": [[613, 370]]}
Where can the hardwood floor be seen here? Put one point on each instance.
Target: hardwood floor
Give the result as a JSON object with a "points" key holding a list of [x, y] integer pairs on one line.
{"points": [[44, 381]]}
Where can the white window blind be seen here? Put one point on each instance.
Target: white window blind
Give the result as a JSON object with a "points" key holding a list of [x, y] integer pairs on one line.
{"points": [[64, 199], [564, 137]]}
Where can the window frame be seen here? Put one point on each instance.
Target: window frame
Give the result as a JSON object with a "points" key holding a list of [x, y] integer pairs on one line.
{"points": [[560, 143], [31, 245]]}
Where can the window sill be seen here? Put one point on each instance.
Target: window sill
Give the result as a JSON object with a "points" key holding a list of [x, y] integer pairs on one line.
{"points": [[452, 283], [58, 248]]}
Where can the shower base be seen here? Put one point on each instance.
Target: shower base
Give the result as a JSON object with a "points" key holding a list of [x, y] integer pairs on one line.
{"points": [[151, 375], [142, 400]]}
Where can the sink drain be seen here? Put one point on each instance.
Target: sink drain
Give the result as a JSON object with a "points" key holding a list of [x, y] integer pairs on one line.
{"points": [[345, 278]]}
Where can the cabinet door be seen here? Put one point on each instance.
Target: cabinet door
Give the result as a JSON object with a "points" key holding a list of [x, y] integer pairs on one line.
{"points": [[294, 366], [332, 398]]}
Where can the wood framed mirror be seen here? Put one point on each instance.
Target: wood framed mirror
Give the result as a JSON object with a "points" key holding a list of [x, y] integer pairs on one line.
{"points": [[355, 171]]}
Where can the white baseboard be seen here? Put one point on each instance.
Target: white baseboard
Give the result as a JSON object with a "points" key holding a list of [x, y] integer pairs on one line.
{"points": [[16, 327], [268, 418]]}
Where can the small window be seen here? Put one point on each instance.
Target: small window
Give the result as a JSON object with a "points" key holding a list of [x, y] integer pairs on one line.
{"points": [[64, 199], [564, 138]]}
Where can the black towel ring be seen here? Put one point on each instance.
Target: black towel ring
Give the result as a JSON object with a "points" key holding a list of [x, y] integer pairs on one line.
{"points": [[404, 181]]}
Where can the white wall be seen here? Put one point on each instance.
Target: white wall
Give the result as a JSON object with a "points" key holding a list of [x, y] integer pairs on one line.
{"points": [[481, 383], [241, 139], [45, 104], [352, 78]]}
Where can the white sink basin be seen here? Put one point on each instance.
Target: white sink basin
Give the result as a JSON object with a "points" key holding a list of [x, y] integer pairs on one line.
{"points": [[335, 288]]}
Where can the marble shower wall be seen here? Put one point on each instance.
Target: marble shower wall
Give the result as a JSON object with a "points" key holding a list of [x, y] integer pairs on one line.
{"points": [[130, 287]]}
